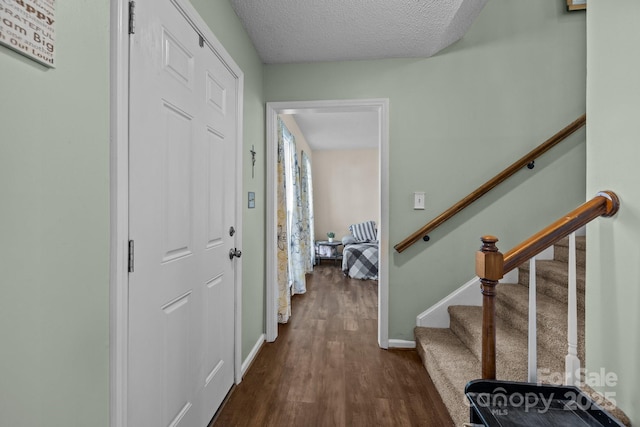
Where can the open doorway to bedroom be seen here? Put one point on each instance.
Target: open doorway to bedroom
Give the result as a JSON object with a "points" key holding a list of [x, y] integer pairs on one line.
{"points": [[346, 142]]}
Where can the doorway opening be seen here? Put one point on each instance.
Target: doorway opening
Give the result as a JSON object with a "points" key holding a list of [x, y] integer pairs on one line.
{"points": [[380, 107]]}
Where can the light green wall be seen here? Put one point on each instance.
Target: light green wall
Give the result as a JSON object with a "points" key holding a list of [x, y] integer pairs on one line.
{"points": [[517, 77], [54, 221], [54, 227], [458, 118], [613, 150], [226, 26]]}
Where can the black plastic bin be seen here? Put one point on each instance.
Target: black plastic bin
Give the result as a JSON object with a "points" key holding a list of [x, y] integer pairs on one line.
{"points": [[516, 404]]}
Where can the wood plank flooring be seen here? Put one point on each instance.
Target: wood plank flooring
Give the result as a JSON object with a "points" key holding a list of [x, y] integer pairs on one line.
{"points": [[326, 369]]}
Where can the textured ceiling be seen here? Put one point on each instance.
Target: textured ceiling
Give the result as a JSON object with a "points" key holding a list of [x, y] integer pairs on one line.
{"points": [[289, 31], [293, 31]]}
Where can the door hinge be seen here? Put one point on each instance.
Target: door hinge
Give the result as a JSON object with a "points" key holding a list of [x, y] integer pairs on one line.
{"points": [[132, 17], [130, 263]]}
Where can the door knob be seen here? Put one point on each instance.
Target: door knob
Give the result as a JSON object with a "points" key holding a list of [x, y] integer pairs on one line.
{"points": [[234, 253]]}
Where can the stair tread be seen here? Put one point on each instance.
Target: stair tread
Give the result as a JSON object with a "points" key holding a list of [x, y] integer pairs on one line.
{"points": [[552, 279], [556, 271], [561, 251], [452, 356], [451, 365], [512, 304], [511, 345], [516, 296], [581, 242]]}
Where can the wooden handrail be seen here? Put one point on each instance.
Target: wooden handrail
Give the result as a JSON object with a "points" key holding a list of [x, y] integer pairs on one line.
{"points": [[491, 265], [605, 203], [496, 180]]}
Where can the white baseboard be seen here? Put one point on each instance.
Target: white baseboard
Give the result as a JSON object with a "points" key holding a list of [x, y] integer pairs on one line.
{"points": [[252, 355], [437, 316], [401, 344]]}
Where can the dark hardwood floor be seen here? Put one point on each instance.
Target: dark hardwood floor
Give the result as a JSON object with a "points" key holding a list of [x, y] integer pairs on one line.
{"points": [[326, 369]]}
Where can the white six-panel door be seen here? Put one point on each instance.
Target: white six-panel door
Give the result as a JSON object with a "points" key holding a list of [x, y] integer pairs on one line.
{"points": [[182, 192]]}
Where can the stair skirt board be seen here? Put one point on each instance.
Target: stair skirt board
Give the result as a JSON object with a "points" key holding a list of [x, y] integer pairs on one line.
{"points": [[437, 315], [468, 294]]}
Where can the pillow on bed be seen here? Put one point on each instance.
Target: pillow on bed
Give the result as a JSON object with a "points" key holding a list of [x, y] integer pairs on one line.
{"points": [[364, 231], [348, 240]]}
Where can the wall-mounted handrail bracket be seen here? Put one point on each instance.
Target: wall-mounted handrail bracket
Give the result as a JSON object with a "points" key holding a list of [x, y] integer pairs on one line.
{"points": [[531, 164], [426, 238]]}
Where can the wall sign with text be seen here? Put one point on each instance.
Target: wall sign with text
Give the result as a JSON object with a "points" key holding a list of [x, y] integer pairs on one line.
{"points": [[28, 27]]}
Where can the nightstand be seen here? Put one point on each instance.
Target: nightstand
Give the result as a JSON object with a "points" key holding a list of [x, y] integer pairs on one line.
{"points": [[332, 253]]}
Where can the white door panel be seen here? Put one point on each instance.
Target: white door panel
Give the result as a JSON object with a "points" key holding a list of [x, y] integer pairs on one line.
{"points": [[219, 154], [182, 190]]}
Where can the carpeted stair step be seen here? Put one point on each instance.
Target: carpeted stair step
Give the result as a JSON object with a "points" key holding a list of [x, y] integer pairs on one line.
{"points": [[511, 350], [451, 365], [452, 356], [511, 345], [552, 278], [512, 306], [561, 250]]}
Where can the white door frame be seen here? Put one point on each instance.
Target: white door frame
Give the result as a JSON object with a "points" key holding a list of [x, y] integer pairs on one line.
{"points": [[119, 198], [379, 106]]}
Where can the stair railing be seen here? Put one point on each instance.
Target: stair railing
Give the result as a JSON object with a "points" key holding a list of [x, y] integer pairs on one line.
{"points": [[526, 160], [491, 266], [571, 361], [532, 360]]}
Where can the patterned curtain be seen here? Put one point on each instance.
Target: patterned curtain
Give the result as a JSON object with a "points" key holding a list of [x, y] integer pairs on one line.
{"points": [[284, 293], [297, 232], [307, 210], [295, 222]]}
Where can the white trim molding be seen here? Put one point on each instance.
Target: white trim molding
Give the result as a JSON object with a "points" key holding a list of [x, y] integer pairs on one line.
{"points": [[381, 107], [119, 212], [437, 316], [252, 354], [393, 343]]}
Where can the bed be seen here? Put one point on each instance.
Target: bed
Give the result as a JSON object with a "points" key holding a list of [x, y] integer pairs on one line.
{"points": [[360, 253]]}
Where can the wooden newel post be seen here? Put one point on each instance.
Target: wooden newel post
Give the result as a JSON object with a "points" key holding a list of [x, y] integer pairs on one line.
{"points": [[490, 269]]}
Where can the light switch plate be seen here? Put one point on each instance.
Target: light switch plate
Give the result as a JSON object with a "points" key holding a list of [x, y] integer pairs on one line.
{"points": [[418, 200]]}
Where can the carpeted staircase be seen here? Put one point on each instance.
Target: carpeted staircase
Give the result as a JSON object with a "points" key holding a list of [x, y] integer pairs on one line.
{"points": [[453, 356]]}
